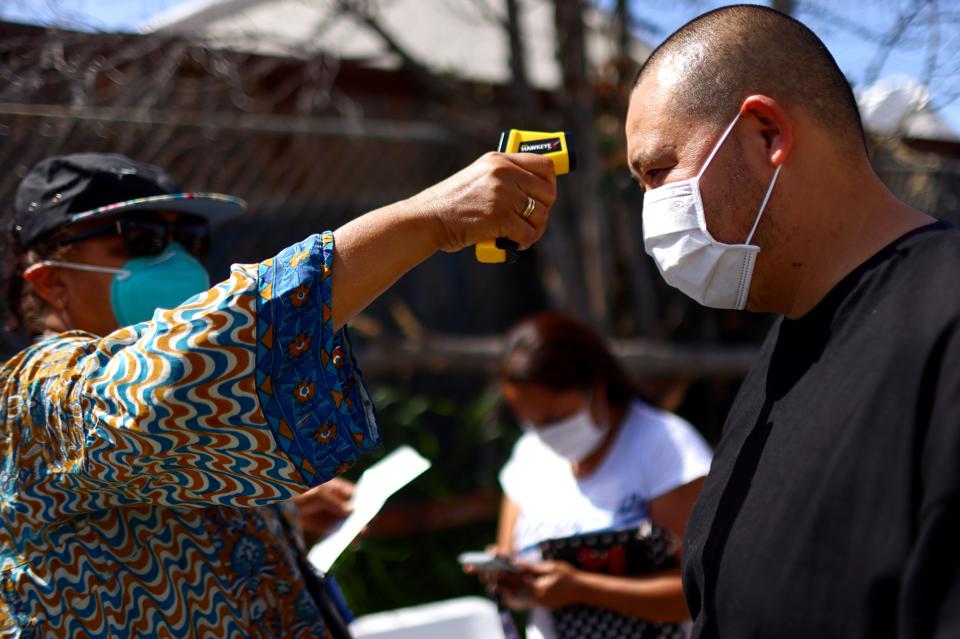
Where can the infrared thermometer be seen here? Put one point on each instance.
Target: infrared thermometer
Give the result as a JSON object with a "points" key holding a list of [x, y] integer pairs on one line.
{"points": [[556, 145]]}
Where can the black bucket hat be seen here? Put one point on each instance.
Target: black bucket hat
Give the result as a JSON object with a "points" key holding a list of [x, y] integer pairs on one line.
{"points": [[63, 190]]}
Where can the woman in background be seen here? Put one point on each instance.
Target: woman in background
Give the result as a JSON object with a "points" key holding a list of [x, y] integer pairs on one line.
{"points": [[593, 457]]}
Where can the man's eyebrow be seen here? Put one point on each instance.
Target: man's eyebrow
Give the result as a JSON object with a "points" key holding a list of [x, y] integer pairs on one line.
{"points": [[655, 150]]}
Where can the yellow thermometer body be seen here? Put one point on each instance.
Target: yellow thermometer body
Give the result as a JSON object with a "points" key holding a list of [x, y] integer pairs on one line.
{"points": [[556, 145]]}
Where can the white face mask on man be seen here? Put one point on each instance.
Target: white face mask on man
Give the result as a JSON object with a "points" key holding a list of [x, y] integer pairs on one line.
{"points": [[573, 437], [675, 235]]}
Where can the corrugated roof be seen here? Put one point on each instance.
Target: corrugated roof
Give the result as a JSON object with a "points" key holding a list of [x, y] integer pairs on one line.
{"points": [[462, 38]]}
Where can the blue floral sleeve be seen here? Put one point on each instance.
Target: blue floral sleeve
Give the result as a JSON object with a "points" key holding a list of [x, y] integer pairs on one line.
{"points": [[308, 382]]}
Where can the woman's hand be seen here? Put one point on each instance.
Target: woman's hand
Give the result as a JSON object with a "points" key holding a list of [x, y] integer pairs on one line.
{"points": [[553, 584], [486, 200], [323, 506], [511, 587]]}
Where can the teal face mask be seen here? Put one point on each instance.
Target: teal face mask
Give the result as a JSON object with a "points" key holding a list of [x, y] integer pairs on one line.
{"points": [[144, 284]]}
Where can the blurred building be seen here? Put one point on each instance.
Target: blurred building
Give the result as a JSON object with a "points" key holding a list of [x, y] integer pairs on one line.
{"points": [[915, 150], [305, 110], [463, 39]]}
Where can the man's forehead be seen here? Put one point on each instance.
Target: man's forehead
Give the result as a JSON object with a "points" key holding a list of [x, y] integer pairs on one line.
{"points": [[662, 84], [649, 126], [654, 121]]}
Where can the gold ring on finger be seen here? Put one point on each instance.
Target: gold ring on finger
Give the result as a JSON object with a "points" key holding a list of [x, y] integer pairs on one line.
{"points": [[531, 204]]}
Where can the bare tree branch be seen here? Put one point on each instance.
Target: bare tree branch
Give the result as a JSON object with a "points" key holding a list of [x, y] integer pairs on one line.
{"points": [[933, 45], [519, 82], [891, 39], [482, 354], [363, 13], [827, 15], [490, 14], [784, 6], [579, 103]]}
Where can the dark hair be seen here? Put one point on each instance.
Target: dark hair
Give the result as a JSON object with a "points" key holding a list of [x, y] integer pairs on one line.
{"points": [[562, 353], [744, 49], [24, 307]]}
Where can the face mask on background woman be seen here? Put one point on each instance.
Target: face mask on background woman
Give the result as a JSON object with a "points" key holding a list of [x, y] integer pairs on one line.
{"points": [[573, 437]]}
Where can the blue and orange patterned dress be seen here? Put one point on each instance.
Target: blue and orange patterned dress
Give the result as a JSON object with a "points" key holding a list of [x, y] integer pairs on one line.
{"points": [[142, 474]]}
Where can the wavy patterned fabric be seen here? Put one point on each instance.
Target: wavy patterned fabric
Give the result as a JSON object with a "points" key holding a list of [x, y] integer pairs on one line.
{"points": [[142, 474]]}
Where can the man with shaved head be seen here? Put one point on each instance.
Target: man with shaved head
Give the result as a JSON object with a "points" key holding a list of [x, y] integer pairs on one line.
{"points": [[832, 508]]}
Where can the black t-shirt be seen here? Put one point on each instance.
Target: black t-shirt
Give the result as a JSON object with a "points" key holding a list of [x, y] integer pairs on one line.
{"points": [[832, 509]]}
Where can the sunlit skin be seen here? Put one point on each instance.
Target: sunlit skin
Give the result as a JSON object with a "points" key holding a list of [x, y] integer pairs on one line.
{"points": [[827, 214], [482, 201], [80, 300], [554, 584], [322, 507]]}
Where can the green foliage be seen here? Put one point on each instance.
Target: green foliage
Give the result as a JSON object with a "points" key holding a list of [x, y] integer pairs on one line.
{"points": [[467, 442], [383, 574]]}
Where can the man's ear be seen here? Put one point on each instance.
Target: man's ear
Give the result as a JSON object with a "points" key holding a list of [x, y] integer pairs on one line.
{"points": [[773, 123], [47, 282]]}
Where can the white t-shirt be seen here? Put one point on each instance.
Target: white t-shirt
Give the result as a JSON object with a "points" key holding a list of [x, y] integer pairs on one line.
{"points": [[654, 453]]}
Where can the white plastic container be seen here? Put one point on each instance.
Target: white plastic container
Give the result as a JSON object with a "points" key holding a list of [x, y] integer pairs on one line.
{"points": [[463, 618]]}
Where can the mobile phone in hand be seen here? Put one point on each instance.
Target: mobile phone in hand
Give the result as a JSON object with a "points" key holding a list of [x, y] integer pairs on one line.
{"points": [[485, 562]]}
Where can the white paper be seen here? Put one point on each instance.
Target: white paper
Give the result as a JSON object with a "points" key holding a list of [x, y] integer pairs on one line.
{"points": [[374, 487]]}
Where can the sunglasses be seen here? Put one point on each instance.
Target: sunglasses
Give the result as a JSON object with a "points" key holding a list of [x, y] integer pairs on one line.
{"points": [[147, 234]]}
